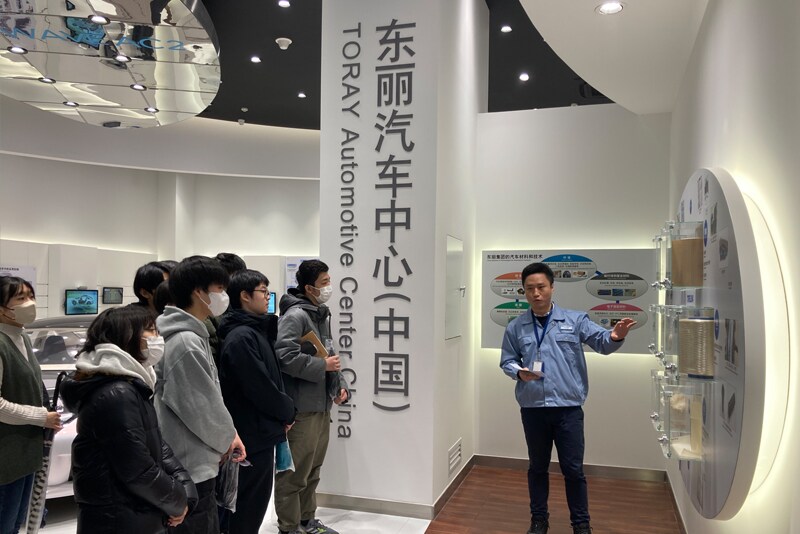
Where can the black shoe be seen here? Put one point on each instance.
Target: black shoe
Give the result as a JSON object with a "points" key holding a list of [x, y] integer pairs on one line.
{"points": [[539, 525], [582, 528]]}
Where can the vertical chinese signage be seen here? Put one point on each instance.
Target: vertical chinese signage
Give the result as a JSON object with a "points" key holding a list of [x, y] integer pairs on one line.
{"points": [[377, 209]]}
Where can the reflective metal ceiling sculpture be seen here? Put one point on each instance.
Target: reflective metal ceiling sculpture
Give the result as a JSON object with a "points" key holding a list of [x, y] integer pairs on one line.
{"points": [[113, 63]]}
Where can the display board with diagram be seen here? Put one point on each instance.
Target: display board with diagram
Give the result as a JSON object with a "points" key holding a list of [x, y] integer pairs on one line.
{"points": [[608, 284]]}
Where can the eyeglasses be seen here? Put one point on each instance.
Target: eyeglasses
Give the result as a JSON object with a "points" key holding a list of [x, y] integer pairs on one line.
{"points": [[265, 291]]}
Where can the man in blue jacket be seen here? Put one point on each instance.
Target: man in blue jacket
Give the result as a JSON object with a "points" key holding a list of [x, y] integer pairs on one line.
{"points": [[253, 390], [543, 352]]}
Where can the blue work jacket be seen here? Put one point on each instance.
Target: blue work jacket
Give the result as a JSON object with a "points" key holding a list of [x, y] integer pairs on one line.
{"points": [[565, 381]]}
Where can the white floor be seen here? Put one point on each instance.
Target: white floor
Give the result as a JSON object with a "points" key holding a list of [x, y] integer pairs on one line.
{"points": [[61, 519]]}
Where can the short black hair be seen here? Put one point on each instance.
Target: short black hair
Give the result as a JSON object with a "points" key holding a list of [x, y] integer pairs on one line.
{"points": [[123, 326], [168, 265], [147, 278], [162, 297], [246, 280], [308, 272], [195, 272], [537, 268], [11, 286], [231, 262]]}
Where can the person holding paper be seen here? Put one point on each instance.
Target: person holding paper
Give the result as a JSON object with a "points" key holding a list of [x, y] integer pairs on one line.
{"points": [[252, 387], [542, 351], [314, 381]]}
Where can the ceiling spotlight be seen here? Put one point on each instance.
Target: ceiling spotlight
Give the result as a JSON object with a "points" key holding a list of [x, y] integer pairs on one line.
{"points": [[524, 77], [284, 3], [18, 50], [283, 42], [122, 58], [151, 109], [255, 59], [241, 122], [70, 103], [99, 19], [301, 94], [506, 29], [138, 87], [609, 8], [244, 110], [45, 79]]}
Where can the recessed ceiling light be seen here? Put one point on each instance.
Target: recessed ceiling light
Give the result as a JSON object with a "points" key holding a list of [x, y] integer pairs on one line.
{"points": [[17, 50], [138, 87], [255, 59], [244, 110], [505, 29], [524, 77], [45, 79], [301, 94], [151, 110], [610, 8], [70, 103], [122, 58], [99, 19], [284, 3]]}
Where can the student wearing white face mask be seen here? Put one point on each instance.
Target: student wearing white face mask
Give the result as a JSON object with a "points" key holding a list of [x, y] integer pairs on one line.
{"points": [[22, 414], [188, 399], [126, 479], [314, 384]]}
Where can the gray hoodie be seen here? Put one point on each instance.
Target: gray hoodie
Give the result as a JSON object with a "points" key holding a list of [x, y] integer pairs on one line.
{"points": [[306, 381], [188, 399]]}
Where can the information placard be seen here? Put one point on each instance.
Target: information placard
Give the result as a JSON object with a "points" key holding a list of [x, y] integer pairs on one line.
{"points": [[608, 284]]}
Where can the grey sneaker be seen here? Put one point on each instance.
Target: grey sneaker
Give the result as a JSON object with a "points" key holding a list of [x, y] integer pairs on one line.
{"points": [[315, 526]]}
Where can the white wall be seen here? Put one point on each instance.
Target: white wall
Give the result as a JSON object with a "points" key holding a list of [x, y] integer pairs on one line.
{"points": [[50, 201], [738, 109], [578, 177], [463, 86], [199, 146], [253, 216]]}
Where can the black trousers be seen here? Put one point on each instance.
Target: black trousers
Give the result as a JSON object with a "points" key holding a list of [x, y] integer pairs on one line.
{"points": [[564, 427], [204, 518], [255, 489]]}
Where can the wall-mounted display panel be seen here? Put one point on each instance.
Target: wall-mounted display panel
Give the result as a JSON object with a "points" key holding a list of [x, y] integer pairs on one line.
{"points": [[608, 284]]}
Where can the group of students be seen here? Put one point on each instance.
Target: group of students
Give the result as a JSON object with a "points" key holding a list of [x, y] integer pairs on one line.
{"points": [[195, 374]]}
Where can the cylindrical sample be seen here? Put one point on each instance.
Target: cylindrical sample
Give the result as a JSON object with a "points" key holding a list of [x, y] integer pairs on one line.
{"points": [[696, 431], [696, 347], [687, 262]]}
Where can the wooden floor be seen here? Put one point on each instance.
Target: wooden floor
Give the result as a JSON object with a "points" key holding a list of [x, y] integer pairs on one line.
{"points": [[495, 501]]}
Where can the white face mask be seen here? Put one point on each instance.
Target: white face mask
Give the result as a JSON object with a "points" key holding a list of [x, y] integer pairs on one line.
{"points": [[154, 351], [219, 303], [24, 313], [324, 294]]}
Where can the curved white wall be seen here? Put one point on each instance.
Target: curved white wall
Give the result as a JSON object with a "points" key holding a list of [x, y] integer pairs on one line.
{"points": [[738, 109]]}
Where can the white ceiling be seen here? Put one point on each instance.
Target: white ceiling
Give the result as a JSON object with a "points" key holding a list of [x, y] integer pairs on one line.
{"points": [[637, 58]]}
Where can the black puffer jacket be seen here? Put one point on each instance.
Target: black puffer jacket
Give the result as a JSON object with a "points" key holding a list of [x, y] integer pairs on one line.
{"points": [[126, 478], [250, 376]]}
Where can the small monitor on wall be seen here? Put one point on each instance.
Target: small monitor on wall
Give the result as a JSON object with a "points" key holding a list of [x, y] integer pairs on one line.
{"points": [[272, 302], [80, 301], [112, 295]]}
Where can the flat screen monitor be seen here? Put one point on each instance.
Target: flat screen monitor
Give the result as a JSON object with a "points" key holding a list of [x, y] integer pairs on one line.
{"points": [[272, 302], [80, 301], [112, 295]]}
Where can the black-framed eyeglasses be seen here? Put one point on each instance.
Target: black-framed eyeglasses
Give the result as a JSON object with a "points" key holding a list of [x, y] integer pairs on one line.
{"points": [[265, 291]]}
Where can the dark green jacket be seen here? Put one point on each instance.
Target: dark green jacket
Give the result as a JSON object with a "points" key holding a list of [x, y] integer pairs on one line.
{"points": [[20, 445]]}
